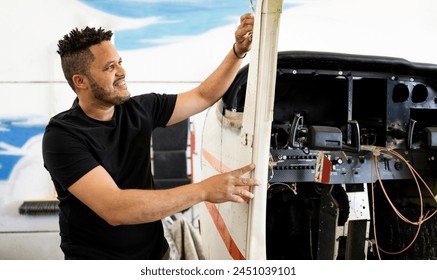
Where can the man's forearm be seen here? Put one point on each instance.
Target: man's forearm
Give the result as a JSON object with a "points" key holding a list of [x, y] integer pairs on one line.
{"points": [[213, 88]]}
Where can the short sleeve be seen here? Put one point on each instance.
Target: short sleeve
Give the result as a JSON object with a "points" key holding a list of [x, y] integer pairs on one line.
{"points": [[65, 157]]}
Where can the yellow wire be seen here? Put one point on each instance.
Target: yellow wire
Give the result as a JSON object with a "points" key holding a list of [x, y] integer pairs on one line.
{"points": [[415, 174]]}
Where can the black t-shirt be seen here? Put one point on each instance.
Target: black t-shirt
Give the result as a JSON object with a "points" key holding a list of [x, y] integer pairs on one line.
{"points": [[74, 144]]}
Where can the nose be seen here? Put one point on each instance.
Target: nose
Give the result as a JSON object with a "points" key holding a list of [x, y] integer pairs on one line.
{"points": [[120, 70]]}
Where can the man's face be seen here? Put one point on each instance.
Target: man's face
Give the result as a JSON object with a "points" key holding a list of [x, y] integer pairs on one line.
{"points": [[107, 76]]}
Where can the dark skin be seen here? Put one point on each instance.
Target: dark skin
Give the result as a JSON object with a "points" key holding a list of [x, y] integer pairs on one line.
{"points": [[104, 87]]}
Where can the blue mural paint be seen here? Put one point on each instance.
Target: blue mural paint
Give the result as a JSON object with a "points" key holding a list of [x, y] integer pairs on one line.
{"points": [[176, 18], [14, 133]]}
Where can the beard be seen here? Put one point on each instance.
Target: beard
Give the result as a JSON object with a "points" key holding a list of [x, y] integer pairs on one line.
{"points": [[105, 96]]}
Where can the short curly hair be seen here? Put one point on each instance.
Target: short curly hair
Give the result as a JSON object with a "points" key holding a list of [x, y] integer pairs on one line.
{"points": [[75, 53]]}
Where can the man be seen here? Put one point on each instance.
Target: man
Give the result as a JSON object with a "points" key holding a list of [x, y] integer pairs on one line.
{"points": [[98, 151]]}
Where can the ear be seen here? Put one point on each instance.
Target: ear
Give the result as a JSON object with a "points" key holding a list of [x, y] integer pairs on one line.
{"points": [[80, 81]]}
